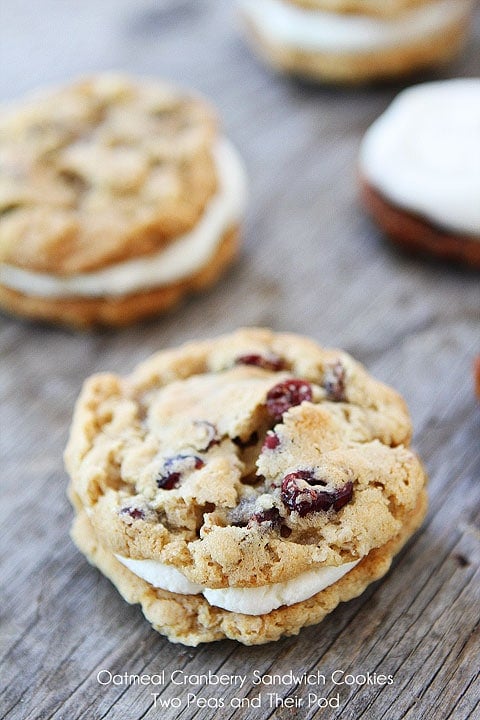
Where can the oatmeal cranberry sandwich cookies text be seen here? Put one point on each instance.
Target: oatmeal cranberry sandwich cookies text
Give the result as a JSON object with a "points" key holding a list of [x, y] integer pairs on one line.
{"points": [[242, 487], [118, 197]]}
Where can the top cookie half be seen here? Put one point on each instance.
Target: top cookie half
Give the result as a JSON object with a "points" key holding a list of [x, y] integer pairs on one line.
{"points": [[243, 461], [100, 171], [118, 197]]}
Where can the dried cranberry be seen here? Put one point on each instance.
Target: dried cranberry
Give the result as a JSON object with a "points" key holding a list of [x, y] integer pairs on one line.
{"points": [[271, 441], [168, 482], [343, 495], [287, 394], [272, 515], [175, 467], [266, 362], [249, 442], [133, 512], [299, 495], [334, 382], [211, 434]]}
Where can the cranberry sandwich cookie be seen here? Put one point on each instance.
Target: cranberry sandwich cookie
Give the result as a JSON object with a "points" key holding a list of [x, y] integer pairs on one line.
{"points": [[118, 196], [350, 41], [242, 487], [420, 169]]}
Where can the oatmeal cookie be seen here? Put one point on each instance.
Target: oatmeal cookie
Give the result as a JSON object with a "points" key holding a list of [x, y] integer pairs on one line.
{"points": [[348, 41], [242, 487], [118, 196], [382, 8]]}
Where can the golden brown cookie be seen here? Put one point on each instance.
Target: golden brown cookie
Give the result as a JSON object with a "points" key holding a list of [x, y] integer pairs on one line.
{"points": [[340, 41], [117, 197], [419, 170], [241, 487], [382, 8]]}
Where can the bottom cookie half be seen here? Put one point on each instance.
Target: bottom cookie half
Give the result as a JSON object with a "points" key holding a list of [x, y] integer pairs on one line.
{"points": [[416, 234], [122, 310], [189, 619]]}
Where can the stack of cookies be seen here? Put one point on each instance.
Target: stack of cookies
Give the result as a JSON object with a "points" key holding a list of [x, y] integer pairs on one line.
{"points": [[352, 41], [117, 198]]}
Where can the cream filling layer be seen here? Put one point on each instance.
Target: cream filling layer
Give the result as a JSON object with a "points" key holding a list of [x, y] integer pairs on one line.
{"points": [[423, 153], [185, 256], [249, 601], [317, 30]]}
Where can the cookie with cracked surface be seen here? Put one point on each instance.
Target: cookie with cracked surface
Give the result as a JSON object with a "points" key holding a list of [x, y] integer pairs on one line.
{"points": [[241, 487], [419, 170], [348, 42], [118, 196]]}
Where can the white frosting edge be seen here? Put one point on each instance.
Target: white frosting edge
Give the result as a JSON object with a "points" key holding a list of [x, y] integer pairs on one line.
{"points": [[248, 601], [182, 258], [161, 575], [317, 30], [423, 153]]}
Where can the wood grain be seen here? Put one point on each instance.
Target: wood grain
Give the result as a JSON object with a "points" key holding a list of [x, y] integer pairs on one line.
{"points": [[312, 263]]}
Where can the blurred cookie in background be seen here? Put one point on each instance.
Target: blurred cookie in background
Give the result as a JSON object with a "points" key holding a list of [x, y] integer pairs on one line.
{"points": [[118, 197], [420, 170], [355, 41]]}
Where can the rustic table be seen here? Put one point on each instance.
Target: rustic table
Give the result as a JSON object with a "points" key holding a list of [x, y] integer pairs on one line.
{"points": [[312, 263]]}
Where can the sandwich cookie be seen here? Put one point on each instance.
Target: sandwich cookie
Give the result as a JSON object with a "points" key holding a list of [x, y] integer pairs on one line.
{"points": [[242, 487], [352, 41], [118, 197], [420, 169]]}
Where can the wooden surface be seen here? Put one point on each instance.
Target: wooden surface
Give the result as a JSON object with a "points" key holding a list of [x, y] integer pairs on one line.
{"points": [[312, 263]]}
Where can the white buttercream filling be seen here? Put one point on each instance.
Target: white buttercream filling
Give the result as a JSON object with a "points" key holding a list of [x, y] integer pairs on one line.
{"points": [[423, 153], [249, 601], [317, 30], [182, 258]]}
